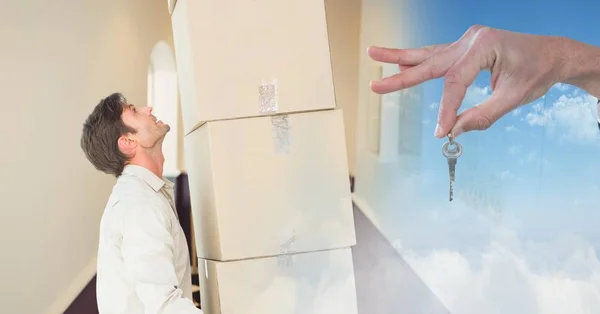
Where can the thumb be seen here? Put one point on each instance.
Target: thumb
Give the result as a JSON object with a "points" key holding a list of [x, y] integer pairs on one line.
{"points": [[482, 117]]}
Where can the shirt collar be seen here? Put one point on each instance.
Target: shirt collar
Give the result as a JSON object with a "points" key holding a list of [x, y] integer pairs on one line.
{"points": [[150, 178]]}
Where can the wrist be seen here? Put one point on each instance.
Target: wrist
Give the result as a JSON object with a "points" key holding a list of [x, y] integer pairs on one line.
{"points": [[579, 64]]}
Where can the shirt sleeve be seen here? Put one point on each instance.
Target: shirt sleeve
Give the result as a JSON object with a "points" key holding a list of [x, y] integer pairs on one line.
{"points": [[147, 249]]}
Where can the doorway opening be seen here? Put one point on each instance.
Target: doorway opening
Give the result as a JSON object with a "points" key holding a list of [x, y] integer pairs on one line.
{"points": [[163, 96]]}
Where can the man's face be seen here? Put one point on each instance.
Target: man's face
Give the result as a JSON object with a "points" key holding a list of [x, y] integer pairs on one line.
{"points": [[150, 131]]}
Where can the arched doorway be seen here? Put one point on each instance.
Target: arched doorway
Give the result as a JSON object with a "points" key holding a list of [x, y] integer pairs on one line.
{"points": [[163, 97]]}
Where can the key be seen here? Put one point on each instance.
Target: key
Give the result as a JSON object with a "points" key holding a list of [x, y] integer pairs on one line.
{"points": [[451, 150]]}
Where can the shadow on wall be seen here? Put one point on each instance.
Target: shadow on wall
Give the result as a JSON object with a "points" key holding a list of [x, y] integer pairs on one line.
{"points": [[385, 283]]}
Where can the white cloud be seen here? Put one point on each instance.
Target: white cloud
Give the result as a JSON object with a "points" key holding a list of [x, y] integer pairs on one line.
{"points": [[573, 117], [476, 95], [561, 87], [505, 175], [534, 159], [504, 278], [538, 115], [504, 270], [575, 92], [509, 128], [514, 149], [528, 259], [517, 111]]}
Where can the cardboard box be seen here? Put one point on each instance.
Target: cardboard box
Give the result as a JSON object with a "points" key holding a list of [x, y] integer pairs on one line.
{"points": [[273, 185], [246, 58], [316, 283]]}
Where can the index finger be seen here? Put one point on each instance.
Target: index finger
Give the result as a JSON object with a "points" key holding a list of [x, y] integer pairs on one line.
{"points": [[411, 56]]}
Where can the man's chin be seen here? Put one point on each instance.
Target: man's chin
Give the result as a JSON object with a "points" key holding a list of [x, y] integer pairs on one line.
{"points": [[165, 128]]}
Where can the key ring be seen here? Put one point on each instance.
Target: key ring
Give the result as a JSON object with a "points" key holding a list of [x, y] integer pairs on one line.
{"points": [[454, 152]]}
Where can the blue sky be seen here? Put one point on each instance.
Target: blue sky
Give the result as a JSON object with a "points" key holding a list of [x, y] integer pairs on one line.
{"points": [[524, 222], [546, 151]]}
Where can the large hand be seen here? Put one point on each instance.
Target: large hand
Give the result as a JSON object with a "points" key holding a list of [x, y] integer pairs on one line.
{"points": [[523, 68]]}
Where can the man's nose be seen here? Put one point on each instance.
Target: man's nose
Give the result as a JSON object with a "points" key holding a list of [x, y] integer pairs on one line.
{"points": [[148, 110]]}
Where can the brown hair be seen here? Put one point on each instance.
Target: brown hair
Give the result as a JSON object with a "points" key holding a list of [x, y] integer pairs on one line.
{"points": [[101, 132]]}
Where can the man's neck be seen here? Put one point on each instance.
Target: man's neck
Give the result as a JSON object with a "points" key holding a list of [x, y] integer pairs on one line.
{"points": [[150, 160]]}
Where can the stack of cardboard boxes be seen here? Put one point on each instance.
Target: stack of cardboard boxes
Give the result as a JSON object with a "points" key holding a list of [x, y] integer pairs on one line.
{"points": [[266, 157]]}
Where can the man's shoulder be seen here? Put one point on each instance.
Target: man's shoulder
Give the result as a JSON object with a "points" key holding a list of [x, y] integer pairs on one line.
{"points": [[132, 187], [129, 192], [131, 200]]}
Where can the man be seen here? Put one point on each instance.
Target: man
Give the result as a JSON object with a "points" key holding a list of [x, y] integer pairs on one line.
{"points": [[143, 260], [523, 68]]}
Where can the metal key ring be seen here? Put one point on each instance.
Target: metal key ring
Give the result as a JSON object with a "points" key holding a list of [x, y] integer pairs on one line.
{"points": [[452, 153]]}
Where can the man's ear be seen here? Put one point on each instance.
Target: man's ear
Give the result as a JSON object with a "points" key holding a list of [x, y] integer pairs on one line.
{"points": [[127, 145]]}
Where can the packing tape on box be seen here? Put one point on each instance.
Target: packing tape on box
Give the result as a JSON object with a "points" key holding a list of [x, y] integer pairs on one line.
{"points": [[287, 249], [206, 269], [267, 97], [282, 137]]}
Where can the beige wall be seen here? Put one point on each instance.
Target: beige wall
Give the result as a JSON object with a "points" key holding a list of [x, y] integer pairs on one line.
{"points": [[58, 59], [343, 22]]}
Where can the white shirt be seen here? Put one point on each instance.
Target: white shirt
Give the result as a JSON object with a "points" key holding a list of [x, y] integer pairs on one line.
{"points": [[143, 261]]}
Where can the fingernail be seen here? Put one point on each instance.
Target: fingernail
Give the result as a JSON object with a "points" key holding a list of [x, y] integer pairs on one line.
{"points": [[438, 131]]}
